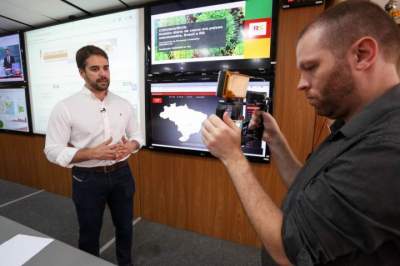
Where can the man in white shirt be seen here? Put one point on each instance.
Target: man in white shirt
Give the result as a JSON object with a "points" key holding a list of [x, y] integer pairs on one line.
{"points": [[94, 131]]}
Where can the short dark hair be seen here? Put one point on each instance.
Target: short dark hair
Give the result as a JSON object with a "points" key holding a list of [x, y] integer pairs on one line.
{"points": [[348, 21], [85, 52]]}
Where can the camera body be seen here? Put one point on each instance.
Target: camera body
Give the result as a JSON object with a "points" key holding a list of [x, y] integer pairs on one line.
{"points": [[255, 101], [236, 100]]}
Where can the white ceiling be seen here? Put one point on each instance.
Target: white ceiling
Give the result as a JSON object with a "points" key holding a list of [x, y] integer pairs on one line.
{"points": [[22, 15]]}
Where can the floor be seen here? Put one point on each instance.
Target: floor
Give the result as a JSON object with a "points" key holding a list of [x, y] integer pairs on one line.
{"points": [[154, 244]]}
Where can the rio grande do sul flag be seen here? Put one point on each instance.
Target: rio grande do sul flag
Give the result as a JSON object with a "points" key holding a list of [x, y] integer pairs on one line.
{"points": [[257, 28]]}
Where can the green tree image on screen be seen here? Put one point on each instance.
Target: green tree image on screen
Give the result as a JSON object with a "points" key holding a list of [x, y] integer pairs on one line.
{"points": [[233, 45]]}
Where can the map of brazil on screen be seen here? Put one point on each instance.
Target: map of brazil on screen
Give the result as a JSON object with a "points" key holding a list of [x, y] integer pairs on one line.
{"points": [[178, 111], [188, 121]]}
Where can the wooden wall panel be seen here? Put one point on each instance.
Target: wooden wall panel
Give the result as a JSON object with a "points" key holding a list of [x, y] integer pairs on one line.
{"points": [[192, 193], [295, 116], [183, 191], [134, 165], [22, 160], [195, 193]]}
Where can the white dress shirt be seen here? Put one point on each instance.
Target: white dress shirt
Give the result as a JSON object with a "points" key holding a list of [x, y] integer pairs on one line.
{"points": [[84, 121]]}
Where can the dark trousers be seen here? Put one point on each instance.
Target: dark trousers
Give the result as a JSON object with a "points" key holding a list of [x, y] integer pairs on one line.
{"points": [[91, 191]]}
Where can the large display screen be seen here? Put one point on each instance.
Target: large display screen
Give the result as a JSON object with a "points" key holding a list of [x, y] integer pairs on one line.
{"points": [[177, 111], [11, 63], [13, 110], [200, 36], [53, 74]]}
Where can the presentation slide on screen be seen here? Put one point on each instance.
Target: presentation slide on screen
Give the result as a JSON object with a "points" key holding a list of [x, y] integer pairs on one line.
{"points": [[53, 74], [10, 59], [13, 110], [179, 109], [200, 34], [237, 30]]}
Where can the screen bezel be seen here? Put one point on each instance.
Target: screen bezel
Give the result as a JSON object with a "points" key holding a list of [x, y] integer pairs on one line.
{"points": [[206, 67], [24, 81], [264, 77]]}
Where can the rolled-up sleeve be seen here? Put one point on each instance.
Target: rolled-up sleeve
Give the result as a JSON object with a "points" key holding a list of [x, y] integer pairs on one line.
{"points": [[351, 205], [58, 136], [132, 130]]}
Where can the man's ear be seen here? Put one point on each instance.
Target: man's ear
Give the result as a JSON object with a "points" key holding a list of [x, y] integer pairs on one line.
{"points": [[81, 72], [363, 53]]}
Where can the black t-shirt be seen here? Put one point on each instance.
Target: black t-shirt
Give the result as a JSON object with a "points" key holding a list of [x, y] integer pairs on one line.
{"points": [[344, 206]]}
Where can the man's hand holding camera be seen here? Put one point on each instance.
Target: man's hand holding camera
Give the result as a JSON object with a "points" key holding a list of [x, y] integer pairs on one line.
{"points": [[222, 138], [272, 132]]}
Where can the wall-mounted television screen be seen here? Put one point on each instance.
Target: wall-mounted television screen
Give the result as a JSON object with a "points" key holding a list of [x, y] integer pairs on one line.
{"points": [[177, 110], [11, 62], [53, 74], [14, 110], [211, 35]]}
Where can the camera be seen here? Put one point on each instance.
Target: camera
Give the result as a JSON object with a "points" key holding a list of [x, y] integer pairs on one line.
{"points": [[255, 101], [231, 90], [240, 104]]}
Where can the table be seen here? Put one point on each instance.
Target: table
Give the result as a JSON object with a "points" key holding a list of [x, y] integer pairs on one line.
{"points": [[56, 253]]}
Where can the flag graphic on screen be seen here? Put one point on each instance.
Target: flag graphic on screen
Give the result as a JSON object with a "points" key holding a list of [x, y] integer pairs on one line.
{"points": [[257, 29]]}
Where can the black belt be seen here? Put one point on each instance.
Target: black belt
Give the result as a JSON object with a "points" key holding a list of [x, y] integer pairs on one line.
{"points": [[105, 168]]}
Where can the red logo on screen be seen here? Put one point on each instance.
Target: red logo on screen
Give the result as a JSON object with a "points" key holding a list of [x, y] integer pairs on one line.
{"points": [[258, 28], [156, 100]]}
